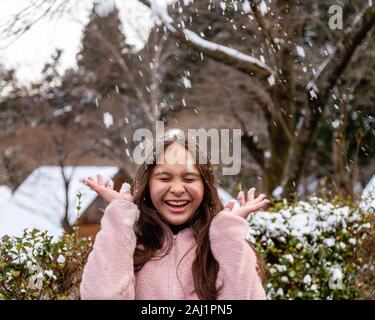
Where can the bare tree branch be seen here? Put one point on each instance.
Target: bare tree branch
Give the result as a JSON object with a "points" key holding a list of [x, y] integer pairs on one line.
{"points": [[22, 22], [333, 67], [318, 91], [229, 56], [262, 23]]}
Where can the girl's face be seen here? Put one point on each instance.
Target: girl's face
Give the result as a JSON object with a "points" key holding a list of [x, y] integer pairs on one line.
{"points": [[176, 187]]}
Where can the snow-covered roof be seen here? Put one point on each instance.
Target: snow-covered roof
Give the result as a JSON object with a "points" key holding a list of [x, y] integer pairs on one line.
{"points": [[40, 200], [367, 202], [370, 187], [5, 194]]}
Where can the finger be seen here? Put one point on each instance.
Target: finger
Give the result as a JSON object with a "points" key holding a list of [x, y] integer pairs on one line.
{"points": [[100, 179], [229, 206], [241, 198], [91, 180], [92, 185], [250, 208], [84, 180], [250, 194], [109, 184], [259, 205], [259, 198]]}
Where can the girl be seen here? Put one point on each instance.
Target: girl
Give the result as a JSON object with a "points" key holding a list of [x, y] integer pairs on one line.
{"points": [[169, 237]]}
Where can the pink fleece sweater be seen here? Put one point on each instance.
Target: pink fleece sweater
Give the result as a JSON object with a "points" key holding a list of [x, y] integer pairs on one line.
{"points": [[109, 272]]}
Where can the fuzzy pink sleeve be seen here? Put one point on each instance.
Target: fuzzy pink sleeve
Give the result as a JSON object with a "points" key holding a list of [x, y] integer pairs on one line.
{"points": [[109, 273], [237, 260]]}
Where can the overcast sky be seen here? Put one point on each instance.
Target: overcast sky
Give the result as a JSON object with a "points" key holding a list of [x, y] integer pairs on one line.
{"points": [[29, 53]]}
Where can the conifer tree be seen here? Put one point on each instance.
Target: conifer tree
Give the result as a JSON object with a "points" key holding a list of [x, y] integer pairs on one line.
{"points": [[103, 47]]}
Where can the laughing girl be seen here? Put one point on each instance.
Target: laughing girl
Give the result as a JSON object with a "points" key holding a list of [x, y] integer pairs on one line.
{"points": [[169, 236]]}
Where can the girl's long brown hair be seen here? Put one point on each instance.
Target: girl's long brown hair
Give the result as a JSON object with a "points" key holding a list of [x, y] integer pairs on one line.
{"points": [[150, 229]]}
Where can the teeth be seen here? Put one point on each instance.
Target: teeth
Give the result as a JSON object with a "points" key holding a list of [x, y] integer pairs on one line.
{"points": [[177, 203]]}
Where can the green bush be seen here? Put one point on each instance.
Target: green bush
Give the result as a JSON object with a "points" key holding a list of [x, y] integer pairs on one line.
{"points": [[312, 249], [34, 266]]}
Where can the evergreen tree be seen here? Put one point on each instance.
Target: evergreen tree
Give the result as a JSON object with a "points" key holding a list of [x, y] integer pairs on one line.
{"points": [[104, 51]]}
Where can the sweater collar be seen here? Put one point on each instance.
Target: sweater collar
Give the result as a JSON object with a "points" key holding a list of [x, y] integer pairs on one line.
{"points": [[177, 229], [186, 233], [184, 238]]}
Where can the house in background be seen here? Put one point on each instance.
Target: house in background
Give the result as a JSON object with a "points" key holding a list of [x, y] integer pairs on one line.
{"points": [[370, 188], [40, 201], [5, 194]]}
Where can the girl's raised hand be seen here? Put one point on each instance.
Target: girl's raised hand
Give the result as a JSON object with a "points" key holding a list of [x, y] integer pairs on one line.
{"points": [[105, 191], [248, 206]]}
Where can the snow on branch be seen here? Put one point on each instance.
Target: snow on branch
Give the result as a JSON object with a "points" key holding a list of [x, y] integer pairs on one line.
{"points": [[161, 13], [218, 52], [212, 46]]}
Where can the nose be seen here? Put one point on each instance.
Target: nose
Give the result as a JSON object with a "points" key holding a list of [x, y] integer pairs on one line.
{"points": [[177, 188]]}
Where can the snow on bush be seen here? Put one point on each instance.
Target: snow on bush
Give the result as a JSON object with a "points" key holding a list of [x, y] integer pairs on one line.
{"points": [[310, 248], [36, 267]]}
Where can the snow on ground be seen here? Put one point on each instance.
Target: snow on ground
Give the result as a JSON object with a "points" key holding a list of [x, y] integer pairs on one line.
{"points": [[39, 202]]}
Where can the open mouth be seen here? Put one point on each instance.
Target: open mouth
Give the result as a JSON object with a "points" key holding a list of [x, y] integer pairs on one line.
{"points": [[177, 206]]}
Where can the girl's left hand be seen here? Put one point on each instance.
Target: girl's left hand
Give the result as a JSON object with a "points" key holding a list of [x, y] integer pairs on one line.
{"points": [[248, 206]]}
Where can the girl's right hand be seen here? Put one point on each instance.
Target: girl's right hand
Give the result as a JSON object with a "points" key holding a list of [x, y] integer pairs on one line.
{"points": [[105, 191]]}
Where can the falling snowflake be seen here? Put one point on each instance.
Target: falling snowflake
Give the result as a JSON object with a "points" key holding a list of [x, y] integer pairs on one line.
{"points": [[313, 94], [186, 82], [246, 6], [300, 51], [271, 80], [107, 119], [263, 8], [336, 124]]}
